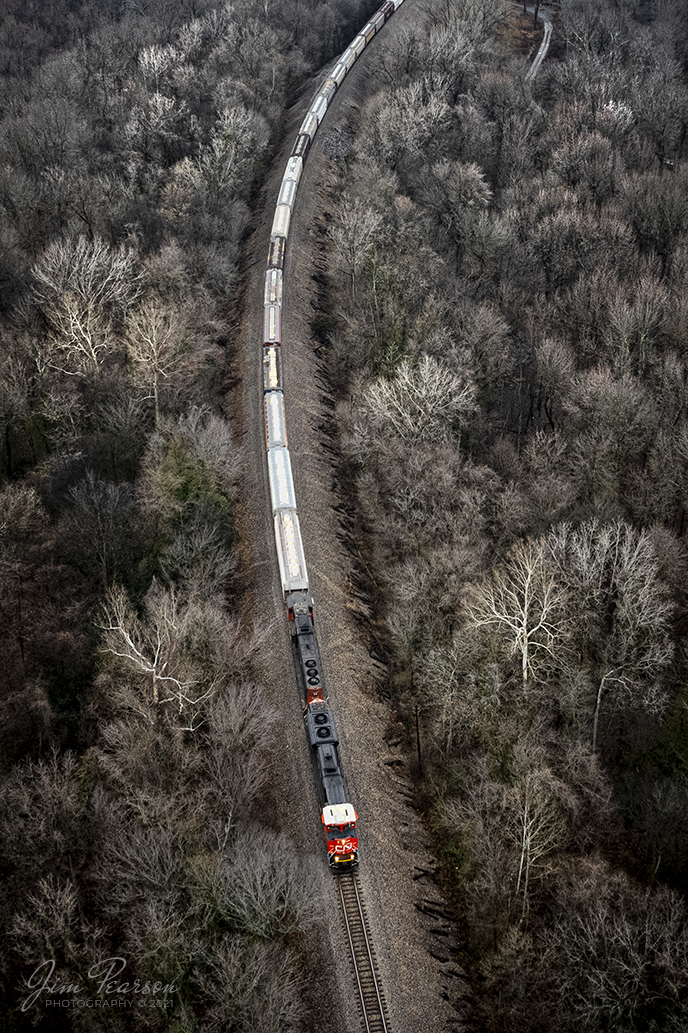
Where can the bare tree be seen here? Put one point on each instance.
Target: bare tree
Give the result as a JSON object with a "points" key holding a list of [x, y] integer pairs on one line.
{"points": [[525, 603], [190, 474], [155, 62], [143, 862], [26, 719], [199, 558], [45, 826], [593, 29], [588, 162], [406, 123], [614, 418], [15, 392], [656, 206], [478, 19], [99, 511], [635, 324], [447, 57], [638, 941], [160, 346], [260, 888], [658, 812], [173, 650], [80, 286], [420, 402], [249, 987], [507, 972], [451, 691], [237, 737], [456, 193], [122, 421], [155, 125], [212, 440], [49, 925], [540, 802], [239, 140], [23, 522], [620, 611], [477, 821], [353, 236], [659, 98]]}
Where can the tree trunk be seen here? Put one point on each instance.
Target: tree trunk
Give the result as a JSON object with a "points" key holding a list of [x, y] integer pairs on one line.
{"points": [[524, 647], [523, 849], [597, 715]]}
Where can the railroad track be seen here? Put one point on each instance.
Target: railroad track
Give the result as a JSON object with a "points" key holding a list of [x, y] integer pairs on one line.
{"points": [[370, 993]]}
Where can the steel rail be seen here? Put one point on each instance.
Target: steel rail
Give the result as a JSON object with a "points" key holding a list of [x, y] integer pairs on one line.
{"points": [[362, 957]]}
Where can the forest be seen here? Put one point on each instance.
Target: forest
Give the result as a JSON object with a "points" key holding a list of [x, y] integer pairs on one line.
{"points": [[133, 140], [505, 321]]}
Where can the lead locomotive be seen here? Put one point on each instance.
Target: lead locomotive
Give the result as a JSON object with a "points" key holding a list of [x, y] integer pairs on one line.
{"points": [[338, 816]]}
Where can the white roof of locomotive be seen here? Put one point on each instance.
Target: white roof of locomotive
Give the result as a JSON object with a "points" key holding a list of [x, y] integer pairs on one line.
{"points": [[339, 814]]}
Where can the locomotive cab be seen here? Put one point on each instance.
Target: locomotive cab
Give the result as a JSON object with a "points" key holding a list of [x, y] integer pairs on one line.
{"points": [[341, 835]]}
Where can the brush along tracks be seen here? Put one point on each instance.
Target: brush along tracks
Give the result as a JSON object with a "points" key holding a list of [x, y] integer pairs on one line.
{"points": [[365, 969]]}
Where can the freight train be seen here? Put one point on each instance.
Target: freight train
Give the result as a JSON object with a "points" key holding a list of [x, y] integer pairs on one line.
{"points": [[337, 814]]}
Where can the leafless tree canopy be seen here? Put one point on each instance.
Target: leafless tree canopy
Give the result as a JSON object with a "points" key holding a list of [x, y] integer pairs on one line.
{"points": [[505, 335], [505, 325], [81, 287], [136, 746]]}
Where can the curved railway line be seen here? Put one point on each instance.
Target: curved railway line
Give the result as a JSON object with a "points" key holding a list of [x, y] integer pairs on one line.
{"points": [[337, 814]]}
